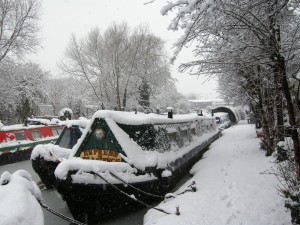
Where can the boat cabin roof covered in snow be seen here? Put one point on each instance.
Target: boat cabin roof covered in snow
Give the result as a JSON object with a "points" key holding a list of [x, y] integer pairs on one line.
{"points": [[119, 136]]}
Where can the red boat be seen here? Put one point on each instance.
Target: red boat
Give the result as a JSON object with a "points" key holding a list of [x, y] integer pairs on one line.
{"points": [[17, 141]]}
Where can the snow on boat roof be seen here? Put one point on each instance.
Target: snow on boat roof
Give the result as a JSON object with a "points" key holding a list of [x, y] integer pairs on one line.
{"points": [[43, 123], [130, 118], [135, 155], [81, 122], [19, 127]]}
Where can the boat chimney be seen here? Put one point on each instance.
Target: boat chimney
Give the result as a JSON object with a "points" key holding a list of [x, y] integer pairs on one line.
{"points": [[170, 112], [201, 114], [212, 112]]}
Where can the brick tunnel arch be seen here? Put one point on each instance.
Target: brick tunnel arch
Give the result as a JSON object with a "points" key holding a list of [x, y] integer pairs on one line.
{"points": [[232, 115]]}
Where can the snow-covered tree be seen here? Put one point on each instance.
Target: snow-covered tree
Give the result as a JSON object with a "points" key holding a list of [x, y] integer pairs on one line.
{"points": [[18, 28], [21, 86], [249, 42], [168, 96], [117, 62], [68, 92], [253, 47]]}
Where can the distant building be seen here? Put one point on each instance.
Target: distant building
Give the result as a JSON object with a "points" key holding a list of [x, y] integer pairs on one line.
{"points": [[200, 104]]}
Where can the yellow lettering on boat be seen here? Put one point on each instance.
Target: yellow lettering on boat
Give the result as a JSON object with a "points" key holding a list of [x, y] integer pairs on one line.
{"points": [[99, 154]]}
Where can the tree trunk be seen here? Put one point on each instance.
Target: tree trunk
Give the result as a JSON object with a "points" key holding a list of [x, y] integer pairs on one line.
{"points": [[125, 98], [292, 117], [118, 95], [268, 118], [275, 46]]}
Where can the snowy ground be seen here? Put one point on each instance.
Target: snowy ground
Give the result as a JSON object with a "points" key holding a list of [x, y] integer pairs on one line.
{"points": [[233, 187]]}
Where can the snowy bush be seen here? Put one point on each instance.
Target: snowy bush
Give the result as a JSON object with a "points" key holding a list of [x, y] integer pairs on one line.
{"points": [[289, 185], [65, 114]]}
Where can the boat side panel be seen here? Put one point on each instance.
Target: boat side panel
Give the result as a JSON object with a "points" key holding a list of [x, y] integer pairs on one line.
{"points": [[20, 152]]}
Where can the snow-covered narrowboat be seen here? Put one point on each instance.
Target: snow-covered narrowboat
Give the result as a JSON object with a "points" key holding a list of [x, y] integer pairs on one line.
{"points": [[45, 158], [17, 141], [122, 157], [223, 120]]}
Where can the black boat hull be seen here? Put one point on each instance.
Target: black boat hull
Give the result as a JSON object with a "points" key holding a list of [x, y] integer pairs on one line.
{"points": [[45, 169], [13, 157], [91, 203]]}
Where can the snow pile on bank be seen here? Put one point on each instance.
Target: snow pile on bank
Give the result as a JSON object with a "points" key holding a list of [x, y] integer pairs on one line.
{"points": [[18, 204], [232, 187]]}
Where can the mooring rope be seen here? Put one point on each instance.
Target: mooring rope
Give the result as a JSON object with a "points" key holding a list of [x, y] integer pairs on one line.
{"points": [[59, 214], [191, 186], [55, 156], [144, 192], [131, 197]]}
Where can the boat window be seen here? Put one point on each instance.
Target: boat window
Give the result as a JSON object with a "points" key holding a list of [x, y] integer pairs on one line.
{"points": [[172, 136], [179, 140], [163, 142], [20, 136], [184, 133], [144, 135], [56, 131], [76, 136], [65, 139], [193, 131], [35, 135]]}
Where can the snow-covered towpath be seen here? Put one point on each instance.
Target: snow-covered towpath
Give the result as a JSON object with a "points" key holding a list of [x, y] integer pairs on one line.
{"points": [[233, 186]]}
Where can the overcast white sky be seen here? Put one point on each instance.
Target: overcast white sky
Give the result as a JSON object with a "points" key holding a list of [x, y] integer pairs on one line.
{"points": [[61, 18]]}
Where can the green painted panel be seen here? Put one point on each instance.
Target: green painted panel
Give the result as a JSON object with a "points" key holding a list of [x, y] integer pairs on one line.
{"points": [[18, 147], [100, 138]]}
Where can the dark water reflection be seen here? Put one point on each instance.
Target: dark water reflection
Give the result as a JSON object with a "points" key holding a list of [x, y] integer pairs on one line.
{"points": [[53, 199]]}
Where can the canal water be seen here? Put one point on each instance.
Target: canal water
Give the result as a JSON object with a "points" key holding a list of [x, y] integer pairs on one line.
{"points": [[53, 199]]}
